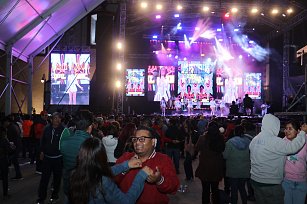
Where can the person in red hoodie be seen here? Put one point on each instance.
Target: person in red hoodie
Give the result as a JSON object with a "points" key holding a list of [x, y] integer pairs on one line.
{"points": [[164, 179]]}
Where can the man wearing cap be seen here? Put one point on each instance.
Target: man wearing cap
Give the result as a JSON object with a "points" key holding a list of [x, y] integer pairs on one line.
{"points": [[52, 159], [164, 179]]}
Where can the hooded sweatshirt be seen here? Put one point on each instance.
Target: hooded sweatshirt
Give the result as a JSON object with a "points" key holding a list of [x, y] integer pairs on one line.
{"points": [[268, 151], [237, 157], [110, 143]]}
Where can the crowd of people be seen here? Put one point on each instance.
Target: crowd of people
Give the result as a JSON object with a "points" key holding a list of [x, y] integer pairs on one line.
{"points": [[136, 159]]}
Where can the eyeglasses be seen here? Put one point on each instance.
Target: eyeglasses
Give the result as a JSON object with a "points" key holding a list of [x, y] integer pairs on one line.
{"points": [[140, 139]]}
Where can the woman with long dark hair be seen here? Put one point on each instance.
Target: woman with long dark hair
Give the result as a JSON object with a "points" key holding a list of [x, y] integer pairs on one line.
{"points": [[124, 144], [92, 180], [210, 169]]}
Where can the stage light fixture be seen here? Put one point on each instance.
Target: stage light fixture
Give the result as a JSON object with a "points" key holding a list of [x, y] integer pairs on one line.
{"points": [[144, 5], [159, 7], [176, 15], [262, 14], [206, 8], [154, 37], [240, 56], [236, 29], [117, 84], [119, 45], [202, 54], [289, 10], [179, 7], [119, 66], [158, 16], [221, 40], [284, 15], [176, 57], [275, 11], [254, 10], [43, 80], [197, 28], [185, 59], [218, 29], [234, 10], [227, 15]]}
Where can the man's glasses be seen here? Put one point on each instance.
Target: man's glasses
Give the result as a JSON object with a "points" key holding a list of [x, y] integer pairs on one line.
{"points": [[140, 139]]}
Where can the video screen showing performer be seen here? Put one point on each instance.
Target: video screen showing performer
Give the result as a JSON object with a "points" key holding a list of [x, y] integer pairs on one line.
{"points": [[135, 79], [161, 82], [195, 81], [70, 76], [252, 85]]}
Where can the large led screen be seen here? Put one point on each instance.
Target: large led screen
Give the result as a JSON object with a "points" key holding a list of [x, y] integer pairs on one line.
{"points": [[135, 79], [161, 82], [252, 85], [70, 79], [195, 80]]}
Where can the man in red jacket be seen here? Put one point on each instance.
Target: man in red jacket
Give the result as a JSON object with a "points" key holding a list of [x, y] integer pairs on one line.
{"points": [[164, 179]]}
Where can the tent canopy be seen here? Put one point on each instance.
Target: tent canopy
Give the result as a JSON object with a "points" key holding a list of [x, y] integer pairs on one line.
{"points": [[29, 26]]}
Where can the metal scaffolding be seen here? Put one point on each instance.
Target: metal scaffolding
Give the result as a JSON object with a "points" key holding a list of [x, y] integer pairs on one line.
{"points": [[122, 35]]}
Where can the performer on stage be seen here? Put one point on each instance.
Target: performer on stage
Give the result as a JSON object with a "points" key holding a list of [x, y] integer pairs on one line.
{"points": [[72, 84], [190, 106], [212, 106], [264, 108], [248, 105], [177, 104], [163, 106], [222, 107]]}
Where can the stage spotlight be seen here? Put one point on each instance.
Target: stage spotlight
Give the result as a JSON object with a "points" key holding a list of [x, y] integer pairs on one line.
{"points": [[119, 45], [284, 15], [176, 15], [218, 29], [236, 29], [197, 28], [159, 7], [275, 11], [43, 80], [221, 40], [227, 15], [154, 37], [117, 84], [158, 16], [234, 10], [262, 14], [253, 28], [202, 54], [185, 59], [240, 56], [254, 10], [289, 10], [179, 7], [206, 8], [119, 66], [176, 57], [144, 5]]}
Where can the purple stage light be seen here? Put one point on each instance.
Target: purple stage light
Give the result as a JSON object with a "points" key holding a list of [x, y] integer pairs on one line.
{"points": [[158, 16], [176, 57], [236, 30], [218, 29], [176, 15], [154, 37]]}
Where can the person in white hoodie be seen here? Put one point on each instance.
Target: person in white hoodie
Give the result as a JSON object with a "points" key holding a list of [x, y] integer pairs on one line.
{"points": [[110, 142], [268, 154]]}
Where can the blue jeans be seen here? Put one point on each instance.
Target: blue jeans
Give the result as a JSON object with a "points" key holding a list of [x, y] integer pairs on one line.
{"points": [[295, 192]]}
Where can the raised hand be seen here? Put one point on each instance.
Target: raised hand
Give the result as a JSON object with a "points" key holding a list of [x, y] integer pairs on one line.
{"points": [[134, 162], [154, 177], [147, 170]]}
